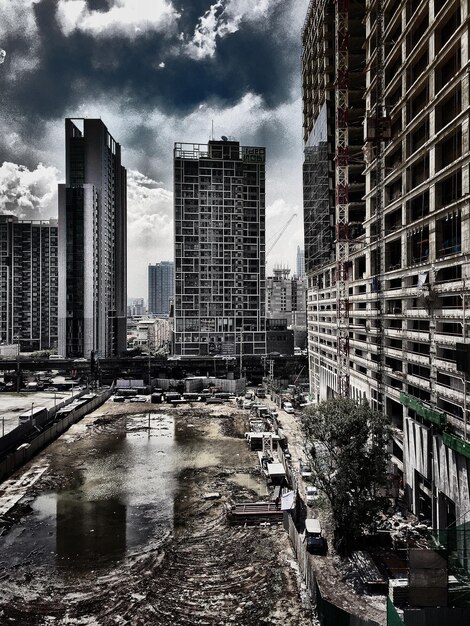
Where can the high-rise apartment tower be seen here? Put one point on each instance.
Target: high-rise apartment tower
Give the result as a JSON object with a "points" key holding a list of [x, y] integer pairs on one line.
{"points": [[161, 285], [28, 282], [92, 243], [300, 262], [219, 249]]}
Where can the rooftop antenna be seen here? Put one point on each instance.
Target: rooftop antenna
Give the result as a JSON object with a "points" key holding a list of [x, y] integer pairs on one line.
{"points": [[212, 134]]}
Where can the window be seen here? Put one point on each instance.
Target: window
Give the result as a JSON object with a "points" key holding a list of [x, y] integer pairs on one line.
{"points": [[448, 150], [448, 109], [448, 29], [449, 234], [448, 68], [449, 189]]}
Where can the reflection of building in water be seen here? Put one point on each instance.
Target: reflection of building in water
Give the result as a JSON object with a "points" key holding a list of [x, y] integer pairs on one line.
{"points": [[89, 531]]}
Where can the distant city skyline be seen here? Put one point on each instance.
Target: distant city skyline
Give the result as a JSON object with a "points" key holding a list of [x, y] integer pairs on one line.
{"points": [[161, 287], [152, 79]]}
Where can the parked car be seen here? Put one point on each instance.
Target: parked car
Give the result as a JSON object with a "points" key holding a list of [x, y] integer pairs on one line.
{"points": [[311, 494], [305, 470], [287, 406]]}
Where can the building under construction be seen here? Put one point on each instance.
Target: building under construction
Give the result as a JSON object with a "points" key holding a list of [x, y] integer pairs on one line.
{"points": [[387, 241]]}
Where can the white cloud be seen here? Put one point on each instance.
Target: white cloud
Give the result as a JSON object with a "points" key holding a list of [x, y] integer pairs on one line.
{"points": [[212, 24], [223, 18], [130, 18], [3, 54], [17, 16], [28, 194], [149, 227]]}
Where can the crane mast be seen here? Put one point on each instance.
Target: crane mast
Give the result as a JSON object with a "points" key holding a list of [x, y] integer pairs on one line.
{"points": [[342, 194], [281, 232]]}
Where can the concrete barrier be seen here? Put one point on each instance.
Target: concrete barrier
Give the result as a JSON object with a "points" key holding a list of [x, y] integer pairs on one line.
{"points": [[16, 459]]}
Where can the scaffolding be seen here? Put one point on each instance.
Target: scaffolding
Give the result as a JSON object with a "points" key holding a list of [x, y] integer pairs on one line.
{"points": [[380, 255], [342, 194]]}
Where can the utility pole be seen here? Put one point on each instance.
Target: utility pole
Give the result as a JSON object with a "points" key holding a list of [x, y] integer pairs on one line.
{"points": [[17, 364]]}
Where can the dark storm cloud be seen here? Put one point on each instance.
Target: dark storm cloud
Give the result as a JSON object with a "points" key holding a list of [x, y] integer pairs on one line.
{"points": [[79, 66], [257, 64], [99, 5]]}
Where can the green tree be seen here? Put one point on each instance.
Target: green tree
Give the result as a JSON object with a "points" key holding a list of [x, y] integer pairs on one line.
{"points": [[347, 445]]}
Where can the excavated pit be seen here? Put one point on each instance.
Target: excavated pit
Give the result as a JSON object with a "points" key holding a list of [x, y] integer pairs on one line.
{"points": [[117, 531]]}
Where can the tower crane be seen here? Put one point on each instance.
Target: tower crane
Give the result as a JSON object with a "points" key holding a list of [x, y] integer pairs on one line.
{"points": [[280, 233]]}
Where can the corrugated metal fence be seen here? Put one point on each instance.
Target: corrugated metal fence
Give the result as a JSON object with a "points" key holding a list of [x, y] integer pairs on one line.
{"points": [[328, 614]]}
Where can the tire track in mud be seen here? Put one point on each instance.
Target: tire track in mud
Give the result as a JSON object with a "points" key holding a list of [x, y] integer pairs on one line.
{"points": [[204, 572]]}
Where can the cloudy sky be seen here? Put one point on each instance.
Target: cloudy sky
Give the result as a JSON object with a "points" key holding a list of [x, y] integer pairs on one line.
{"points": [[156, 72]]}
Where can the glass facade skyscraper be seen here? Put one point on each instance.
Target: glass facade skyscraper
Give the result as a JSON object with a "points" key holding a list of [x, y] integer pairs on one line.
{"points": [[161, 280], [92, 243]]}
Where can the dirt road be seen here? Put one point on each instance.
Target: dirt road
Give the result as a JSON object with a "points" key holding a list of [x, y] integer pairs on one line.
{"points": [[129, 537]]}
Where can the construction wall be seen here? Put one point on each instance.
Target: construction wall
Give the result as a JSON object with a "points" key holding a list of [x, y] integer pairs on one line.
{"points": [[452, 478], [417, 444], [18, 458]]}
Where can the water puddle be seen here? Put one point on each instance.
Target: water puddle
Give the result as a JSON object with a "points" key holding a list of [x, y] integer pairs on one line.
{"points": [[118, 494]]}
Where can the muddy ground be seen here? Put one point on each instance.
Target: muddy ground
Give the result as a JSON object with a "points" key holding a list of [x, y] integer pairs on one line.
{"points": [[198, 571]]}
